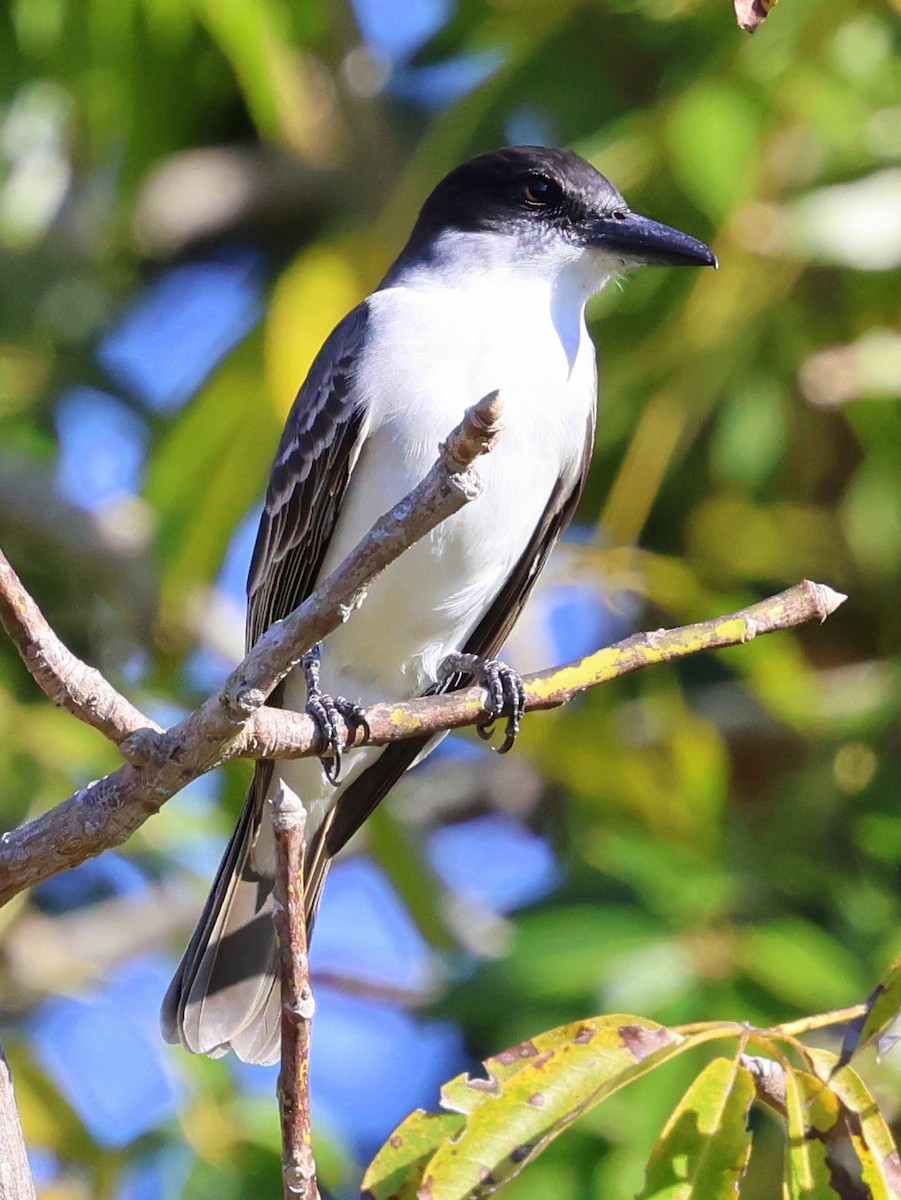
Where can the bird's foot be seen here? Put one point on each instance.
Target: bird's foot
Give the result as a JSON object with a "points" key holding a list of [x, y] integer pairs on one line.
{"points": [[506, 693], [327, 712]]}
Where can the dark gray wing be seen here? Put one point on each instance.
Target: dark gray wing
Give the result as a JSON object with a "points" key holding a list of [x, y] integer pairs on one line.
{"points": [[316, 454], [364, 794], [309, 477], [233, 945]]}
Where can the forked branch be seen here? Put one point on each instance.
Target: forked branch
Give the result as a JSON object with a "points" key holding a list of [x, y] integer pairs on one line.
{"points": [[234, 722]]}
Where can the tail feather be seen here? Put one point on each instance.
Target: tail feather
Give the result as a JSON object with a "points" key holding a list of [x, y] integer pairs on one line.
{"points": [[260, 1041], [225, 992], [228, 972], [317, 861]]}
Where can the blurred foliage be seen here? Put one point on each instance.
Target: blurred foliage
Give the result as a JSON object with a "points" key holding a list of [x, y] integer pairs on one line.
{"points": [[730, 827]]}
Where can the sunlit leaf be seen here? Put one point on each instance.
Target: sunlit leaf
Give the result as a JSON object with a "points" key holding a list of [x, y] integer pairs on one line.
{"points": [[208, 471], [809, 1176], [704, 1150], [882, 1007], [253, 34], [396, 1171], [713, 132], [48, 1120], [533, 1092], [319, 288], [870, 1136]]}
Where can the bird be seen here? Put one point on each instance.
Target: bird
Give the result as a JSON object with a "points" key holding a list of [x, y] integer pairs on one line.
{"points": [[489, 293]]}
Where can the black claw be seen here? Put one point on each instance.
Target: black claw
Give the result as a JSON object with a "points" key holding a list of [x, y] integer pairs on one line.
{"points": [[321, 709], [506, 694], [327, 712], [514, 705]]}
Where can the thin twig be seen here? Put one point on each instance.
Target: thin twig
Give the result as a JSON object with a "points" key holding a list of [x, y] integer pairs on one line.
{"points": [[298, 1165], [371, 989], [16, 1182], [278, 733], [450, 484], [826, 1020]]}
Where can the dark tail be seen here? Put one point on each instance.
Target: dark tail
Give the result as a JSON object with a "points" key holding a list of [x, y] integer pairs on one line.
{"points": [[225, 993]]}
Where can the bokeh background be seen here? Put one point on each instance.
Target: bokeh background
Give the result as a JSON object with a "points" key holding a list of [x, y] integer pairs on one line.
{"points": [[192, 192]]}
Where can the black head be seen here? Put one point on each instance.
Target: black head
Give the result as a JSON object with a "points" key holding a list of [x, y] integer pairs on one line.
{"points": [[518, 185], [540, 193]]}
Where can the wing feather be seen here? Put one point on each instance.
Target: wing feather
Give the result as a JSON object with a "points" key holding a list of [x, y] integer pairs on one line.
{"points": [[312, 468], [224, 990]]}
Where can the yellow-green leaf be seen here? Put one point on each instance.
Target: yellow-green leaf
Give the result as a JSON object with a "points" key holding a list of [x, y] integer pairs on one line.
{"points": [[869, 1134], [882, 1007], [533, 1092], [808, 1173], [396, 1171], [704, 1149], [312, 295], [254, 37], [207, 472]]}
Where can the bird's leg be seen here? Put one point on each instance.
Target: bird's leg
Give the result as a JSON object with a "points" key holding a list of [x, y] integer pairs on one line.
{"points": [[506, 692], [326, 711]]}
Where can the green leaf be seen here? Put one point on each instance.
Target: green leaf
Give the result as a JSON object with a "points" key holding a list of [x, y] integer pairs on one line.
{"points": [[882, 1007], [253, 35], [704, 1149], [869, 1134], [819, 1146], [533, 1092], [417, 884], [800, 963], [713, 133], [573, 951], [396, 1171], [809, 1174]]}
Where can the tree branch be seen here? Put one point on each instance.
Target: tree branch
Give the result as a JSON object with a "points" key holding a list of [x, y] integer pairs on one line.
{"points": [[298, 1006], [234, 723], [280, 733], [107, 812], [16, 1182]]}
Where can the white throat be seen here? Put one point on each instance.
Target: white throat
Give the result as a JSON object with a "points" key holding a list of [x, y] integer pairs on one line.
{"points": [[511, 278]]}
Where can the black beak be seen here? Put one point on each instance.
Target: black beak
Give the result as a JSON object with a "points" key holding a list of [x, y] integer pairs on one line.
{"points": [[648, 243]]}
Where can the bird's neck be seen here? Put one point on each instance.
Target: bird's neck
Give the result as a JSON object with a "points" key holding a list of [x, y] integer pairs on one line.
{"points": [[490, 273], [465, 260]]}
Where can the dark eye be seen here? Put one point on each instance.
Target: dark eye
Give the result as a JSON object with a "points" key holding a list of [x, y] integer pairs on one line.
{"points": [[619, 214], [539, 192]]}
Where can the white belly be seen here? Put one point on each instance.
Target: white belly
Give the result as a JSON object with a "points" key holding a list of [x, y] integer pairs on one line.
{"points": [[423, 372]]}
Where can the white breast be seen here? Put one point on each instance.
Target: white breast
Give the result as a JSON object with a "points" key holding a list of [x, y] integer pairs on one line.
{"points": [[432, 353]]}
